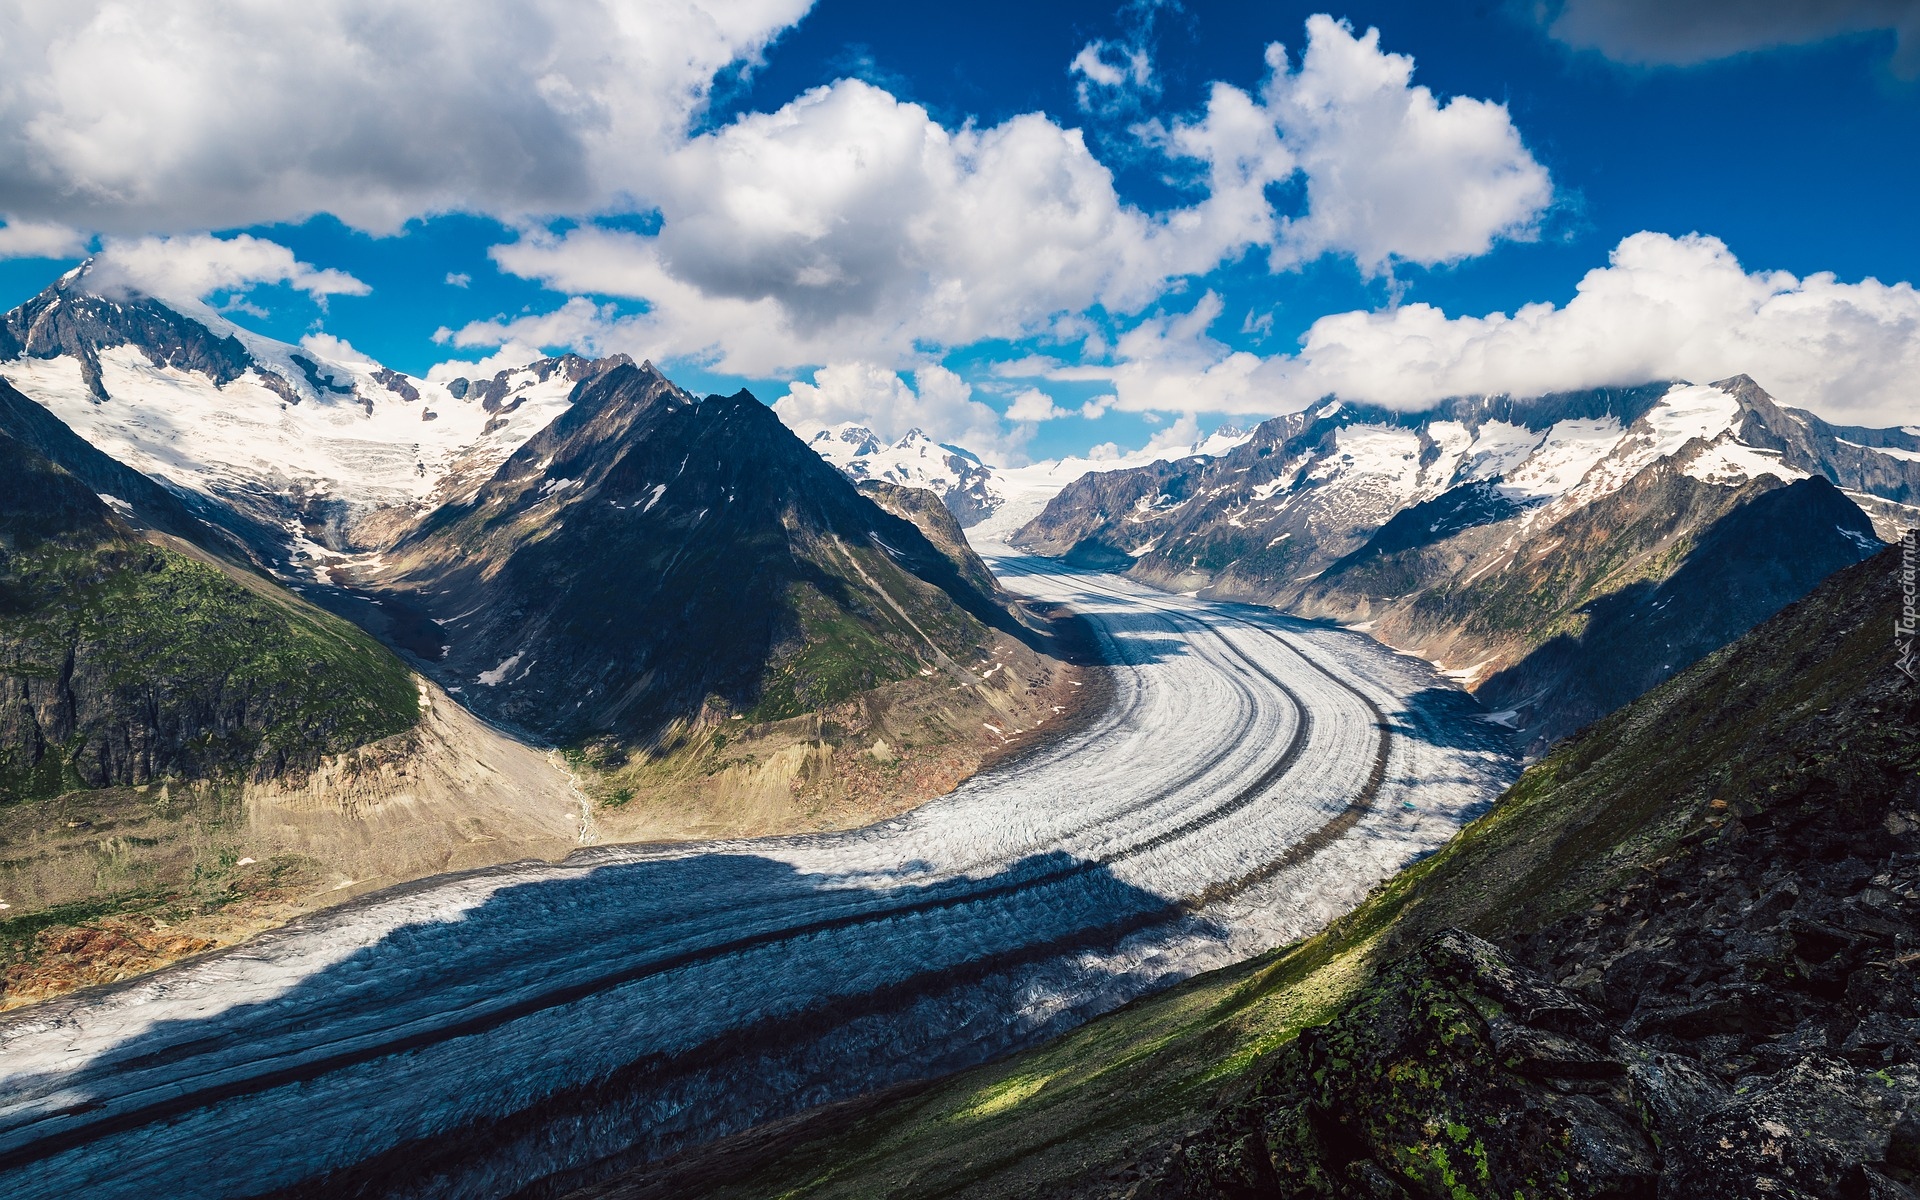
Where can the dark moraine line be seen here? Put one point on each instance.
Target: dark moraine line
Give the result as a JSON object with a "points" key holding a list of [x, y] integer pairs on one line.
{"points": [[444, 1154], [839, 1009]]}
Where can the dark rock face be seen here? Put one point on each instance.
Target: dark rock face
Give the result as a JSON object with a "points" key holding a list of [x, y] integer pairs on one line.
{"points": [[68, 319], [1460, 1073], [1732, 1010], [1456, 1074], [648, 558], [319, 382], [1430, 521], [397, 383], [1840, 453]]}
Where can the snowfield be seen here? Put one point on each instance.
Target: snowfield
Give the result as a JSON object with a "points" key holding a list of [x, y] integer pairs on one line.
{"points": [[1253, 778]]}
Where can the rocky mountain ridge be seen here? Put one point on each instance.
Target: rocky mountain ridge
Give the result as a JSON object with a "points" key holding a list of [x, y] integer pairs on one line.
{"points": [[303, 450], [1731, 1010], [650, 559], [1514, 541]]}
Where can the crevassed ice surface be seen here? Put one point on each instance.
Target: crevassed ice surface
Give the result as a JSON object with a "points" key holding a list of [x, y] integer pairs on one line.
{"points": [[1254, 777]]}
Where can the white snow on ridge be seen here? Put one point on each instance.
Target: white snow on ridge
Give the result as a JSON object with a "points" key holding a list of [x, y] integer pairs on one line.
{"points": [[370, 447], [1563, 458], [916, 460], [1733, 462], [1889, 451], [1499, 447]]}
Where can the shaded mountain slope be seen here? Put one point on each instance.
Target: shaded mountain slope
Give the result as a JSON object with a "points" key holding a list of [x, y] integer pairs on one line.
{"points": [[1705, 903], [1562, 629], [650, 559], [127, 662], [1530, 547]]}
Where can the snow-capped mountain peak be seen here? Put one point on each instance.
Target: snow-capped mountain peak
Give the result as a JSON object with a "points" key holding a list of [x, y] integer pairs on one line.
{"points": [[315, 439], [979, 492], [915, 460]]}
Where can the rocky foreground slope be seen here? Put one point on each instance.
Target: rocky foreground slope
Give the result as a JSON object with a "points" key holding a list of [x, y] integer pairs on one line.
{"points": [[1677, 959], [1737, 1015]]}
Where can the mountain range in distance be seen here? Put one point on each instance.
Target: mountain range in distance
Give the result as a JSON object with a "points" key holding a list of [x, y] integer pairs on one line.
{"points": [[672, 592], [697, 605], [992, 499], [1558, 555]]}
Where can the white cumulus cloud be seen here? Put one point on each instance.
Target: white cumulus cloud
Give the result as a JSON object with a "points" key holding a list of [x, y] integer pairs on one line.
{"points": [[196, 266], [849, 225], [1662, 308], [197, 114], [1393, 173], [40, 239], [1032, 405]]}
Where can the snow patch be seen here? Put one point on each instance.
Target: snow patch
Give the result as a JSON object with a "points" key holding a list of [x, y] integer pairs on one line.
{"points": [[1730, 462], [498, 675]]}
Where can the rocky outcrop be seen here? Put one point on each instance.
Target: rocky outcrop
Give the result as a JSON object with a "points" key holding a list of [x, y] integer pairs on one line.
{"points": [[932, 516], [650, 560], [1459, 1073], [1707, 917]]}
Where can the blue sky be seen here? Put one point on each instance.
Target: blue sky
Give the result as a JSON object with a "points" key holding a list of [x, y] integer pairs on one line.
{"points": [[1798, 158]]}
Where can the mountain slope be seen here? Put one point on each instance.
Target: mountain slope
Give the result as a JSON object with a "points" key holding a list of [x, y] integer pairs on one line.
{"points": [[629, 626], [649, 559], [306, 448], [189, 754], [129, 662], [1560, 554], [1701, 984]]}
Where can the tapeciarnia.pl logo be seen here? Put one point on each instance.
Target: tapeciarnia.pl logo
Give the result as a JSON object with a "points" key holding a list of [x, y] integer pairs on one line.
{"points": [[1906, 627]]}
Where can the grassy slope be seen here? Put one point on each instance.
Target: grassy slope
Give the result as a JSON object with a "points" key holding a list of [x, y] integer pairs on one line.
{"points": [[1618, 796], [195, 672], [140, 683]]}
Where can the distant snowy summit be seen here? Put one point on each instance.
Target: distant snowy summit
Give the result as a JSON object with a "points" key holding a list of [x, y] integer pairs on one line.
{"points": [[312, 443], [992, 500], [957, 476]]}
